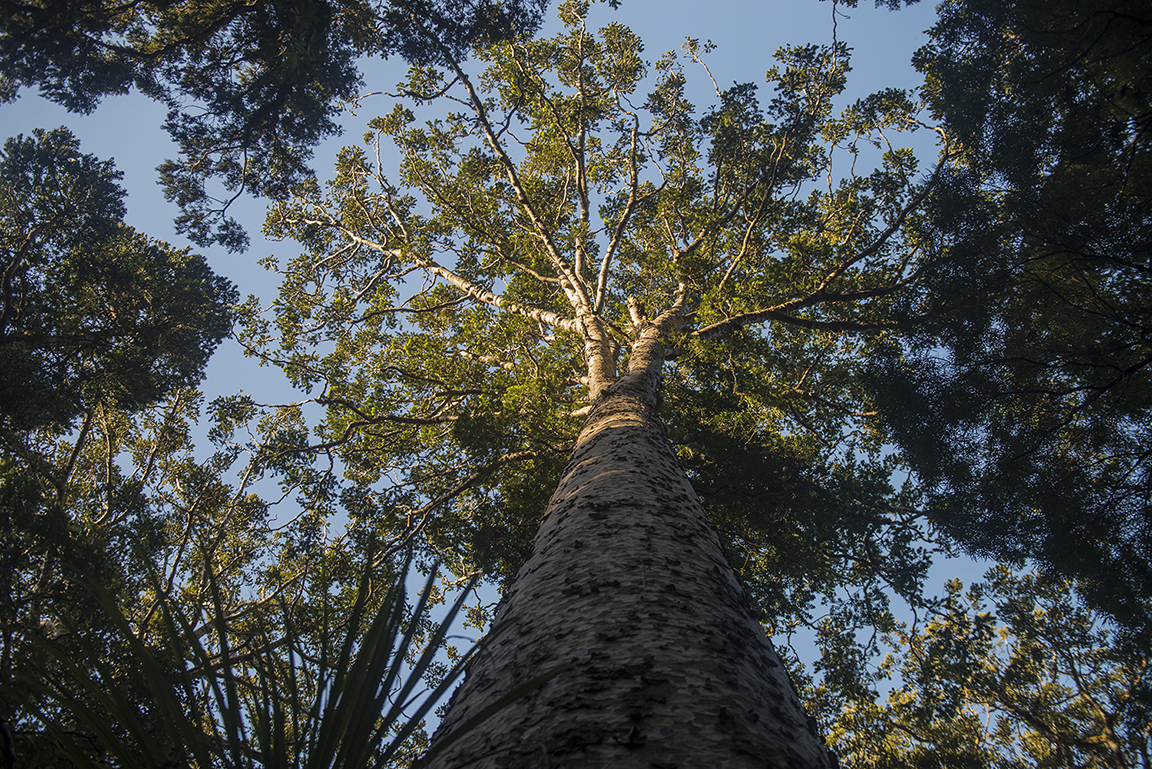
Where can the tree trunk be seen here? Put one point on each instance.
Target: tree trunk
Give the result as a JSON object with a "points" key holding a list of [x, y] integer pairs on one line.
{"points": [[627, 582]]}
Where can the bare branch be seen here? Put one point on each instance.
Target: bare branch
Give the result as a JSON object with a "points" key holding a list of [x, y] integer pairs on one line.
{"points": [[634, 201], [475, 292], [756, 218]]}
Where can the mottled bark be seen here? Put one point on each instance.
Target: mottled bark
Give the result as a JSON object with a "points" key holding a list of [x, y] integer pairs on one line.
{"points": [[627, 582]]}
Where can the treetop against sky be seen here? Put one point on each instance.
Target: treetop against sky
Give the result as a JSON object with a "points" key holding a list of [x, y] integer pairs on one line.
{"points": [[882, 43], [612, 186], [640, 236], [742, 231], [453, 315]]}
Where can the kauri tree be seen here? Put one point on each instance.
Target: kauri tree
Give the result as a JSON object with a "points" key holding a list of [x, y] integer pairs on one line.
{"points": [[562, 265]]}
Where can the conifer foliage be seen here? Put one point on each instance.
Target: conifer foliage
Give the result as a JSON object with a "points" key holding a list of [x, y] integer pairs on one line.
{"points": [[1022, 396]]}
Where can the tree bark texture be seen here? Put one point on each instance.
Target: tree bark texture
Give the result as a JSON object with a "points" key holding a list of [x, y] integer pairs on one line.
{"points": [[628, 583]]}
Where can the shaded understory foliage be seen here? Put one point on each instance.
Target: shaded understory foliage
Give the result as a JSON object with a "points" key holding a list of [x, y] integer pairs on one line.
{"points": [[1022, 395], [307, 682]]}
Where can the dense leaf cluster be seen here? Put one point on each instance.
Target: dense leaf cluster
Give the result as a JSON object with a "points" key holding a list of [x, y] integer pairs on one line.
{"points": [[91, 311], [251, 87], [1023, 396]]}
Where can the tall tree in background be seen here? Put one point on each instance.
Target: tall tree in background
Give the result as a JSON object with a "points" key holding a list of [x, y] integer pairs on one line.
{"points": [[90, 310], [101, 333], [251, 87], [569, 235], [1025, 400]]}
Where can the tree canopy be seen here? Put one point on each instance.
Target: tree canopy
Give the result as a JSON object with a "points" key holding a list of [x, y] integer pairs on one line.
{"points": [[92, 311], [251, 87], [457, 322], [1023, 395], [828, 315], [103, 333]]}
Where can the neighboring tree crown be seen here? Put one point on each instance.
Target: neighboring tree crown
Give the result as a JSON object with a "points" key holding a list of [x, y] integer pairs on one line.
{"points": [[91, 310], [251, 87]]}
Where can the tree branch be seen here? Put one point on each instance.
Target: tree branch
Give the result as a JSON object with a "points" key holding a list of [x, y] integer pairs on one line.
{"points": [[470, 289], [577, 292], [736, 322]]}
